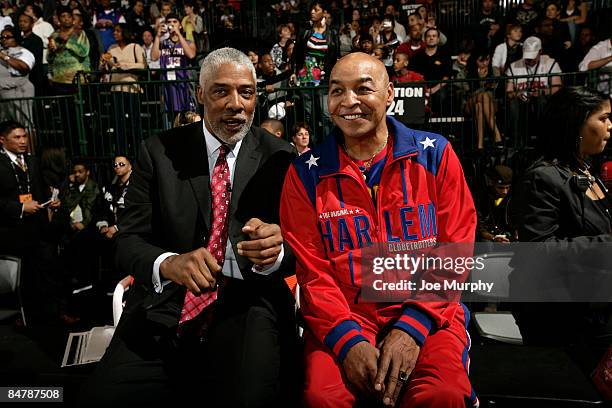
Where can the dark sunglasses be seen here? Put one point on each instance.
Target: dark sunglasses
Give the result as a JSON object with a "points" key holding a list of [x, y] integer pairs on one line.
{"points": [[120, 164]]}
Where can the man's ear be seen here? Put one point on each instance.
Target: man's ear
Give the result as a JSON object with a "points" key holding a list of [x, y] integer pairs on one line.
{"points": [[200, 95], [390, 93]]}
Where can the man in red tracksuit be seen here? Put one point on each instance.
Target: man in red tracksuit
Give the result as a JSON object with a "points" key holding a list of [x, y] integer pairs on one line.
{"points": [[375, 181]]}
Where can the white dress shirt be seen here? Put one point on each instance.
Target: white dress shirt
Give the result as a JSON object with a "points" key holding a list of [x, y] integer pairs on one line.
{"points": [[44, 30], [599, 51], [13, 157], [230, 266]]}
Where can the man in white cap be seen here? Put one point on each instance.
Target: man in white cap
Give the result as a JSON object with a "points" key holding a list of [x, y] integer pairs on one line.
{"points": [[527, 91]]}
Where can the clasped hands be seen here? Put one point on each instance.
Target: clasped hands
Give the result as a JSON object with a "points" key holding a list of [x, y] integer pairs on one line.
{"points": [[376, 370], [197, 270]]}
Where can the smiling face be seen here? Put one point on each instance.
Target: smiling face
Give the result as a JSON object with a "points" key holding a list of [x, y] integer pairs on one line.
{"points": [[595, 132], [229, 99], [359, 95]]}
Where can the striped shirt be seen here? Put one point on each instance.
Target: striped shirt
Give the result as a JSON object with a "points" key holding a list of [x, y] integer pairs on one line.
{"points": [[316, 50]]}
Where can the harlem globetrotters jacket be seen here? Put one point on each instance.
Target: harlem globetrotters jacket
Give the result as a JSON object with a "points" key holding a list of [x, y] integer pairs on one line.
{"points": [[328, 217]]}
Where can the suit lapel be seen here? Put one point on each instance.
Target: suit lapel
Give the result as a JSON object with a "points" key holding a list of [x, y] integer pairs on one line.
{"points": [[247, 163], [200, 177]]}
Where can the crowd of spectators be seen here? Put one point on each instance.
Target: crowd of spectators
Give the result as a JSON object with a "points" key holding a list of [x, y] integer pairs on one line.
{"points": [[47, 43]]}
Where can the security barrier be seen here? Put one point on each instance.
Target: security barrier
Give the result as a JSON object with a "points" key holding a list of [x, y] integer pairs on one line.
{"points": [[103, 118]]}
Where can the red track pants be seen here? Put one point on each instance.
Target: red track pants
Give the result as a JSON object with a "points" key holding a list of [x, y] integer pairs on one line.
{"points": [[440, 378]]}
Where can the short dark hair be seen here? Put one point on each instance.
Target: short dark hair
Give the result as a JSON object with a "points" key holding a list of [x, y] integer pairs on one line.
{"points": [[13, 30], [322, 3], [124, 155], [365, 37], [80, 162], [276, 125], [28, 16], [63, 9], [299, 125], [8, 126], [562, 120], [432, 29], [36, 10]]}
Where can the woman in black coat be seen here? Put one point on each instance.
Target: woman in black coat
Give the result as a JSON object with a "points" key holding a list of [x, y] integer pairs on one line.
{"points": [[558, 201]]}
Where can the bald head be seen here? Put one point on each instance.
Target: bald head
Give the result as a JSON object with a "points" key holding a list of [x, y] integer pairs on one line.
{"points": [[359, 94], [363, 63]]}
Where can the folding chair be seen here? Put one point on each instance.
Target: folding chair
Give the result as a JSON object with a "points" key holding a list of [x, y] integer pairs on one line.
{"points": [[90, 346], [10, 279]]}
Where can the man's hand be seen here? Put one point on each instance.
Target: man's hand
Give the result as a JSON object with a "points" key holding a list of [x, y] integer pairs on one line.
{"points": [[78, 226], [265, 242], [398, 352], [195, 270], [55, 204], [31, 207], [360, 366], [175, 30], [110, 231]]}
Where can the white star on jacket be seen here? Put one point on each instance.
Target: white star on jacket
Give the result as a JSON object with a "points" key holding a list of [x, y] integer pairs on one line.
{"points": [[312, 161], [428, 143]]}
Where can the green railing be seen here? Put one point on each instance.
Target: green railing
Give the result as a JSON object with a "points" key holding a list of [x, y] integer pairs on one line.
{"points": [[100, 120]]}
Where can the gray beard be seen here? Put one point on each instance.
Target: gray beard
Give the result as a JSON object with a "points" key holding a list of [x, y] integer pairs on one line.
{"points": [[233, 138]]}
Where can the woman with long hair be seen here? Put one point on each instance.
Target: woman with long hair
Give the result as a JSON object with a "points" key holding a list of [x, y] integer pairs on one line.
{"points": [[119, 61], [481, 99], [558, 201]]}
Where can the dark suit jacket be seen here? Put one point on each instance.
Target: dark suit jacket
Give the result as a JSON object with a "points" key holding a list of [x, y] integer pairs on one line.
{"points": [[168, 209], [17, 232]]}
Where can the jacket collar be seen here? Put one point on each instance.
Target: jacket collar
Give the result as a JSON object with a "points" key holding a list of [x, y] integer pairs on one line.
{"points": [[334, 160]]}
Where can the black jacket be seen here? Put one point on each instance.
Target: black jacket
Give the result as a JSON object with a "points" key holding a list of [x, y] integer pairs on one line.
{"points": [[572, 258], [17, 231], [168, 209]]}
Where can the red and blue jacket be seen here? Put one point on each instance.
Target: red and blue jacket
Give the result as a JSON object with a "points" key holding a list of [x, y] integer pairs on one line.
{"points": [[328, 216]]}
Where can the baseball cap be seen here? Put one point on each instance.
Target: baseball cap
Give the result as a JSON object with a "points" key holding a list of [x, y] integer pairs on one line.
{"points": [[606, 171], [501, 174], [531, 47]]}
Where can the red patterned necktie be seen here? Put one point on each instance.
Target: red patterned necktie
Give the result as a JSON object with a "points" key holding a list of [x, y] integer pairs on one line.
{"points": [[217, 242]]}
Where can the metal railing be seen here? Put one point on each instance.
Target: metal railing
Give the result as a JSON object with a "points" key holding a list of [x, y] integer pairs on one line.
{"points": [[100, 121]]}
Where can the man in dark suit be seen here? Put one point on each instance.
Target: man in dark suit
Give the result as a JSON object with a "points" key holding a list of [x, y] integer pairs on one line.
{"points": [[178, 221], [23, 216]]}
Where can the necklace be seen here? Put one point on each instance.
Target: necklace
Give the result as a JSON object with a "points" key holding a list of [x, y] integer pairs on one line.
{"points": [[367, 164]]}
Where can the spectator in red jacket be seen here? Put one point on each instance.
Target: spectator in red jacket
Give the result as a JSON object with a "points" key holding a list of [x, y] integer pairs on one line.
{"points": [[402, 73], [374, 181]]}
